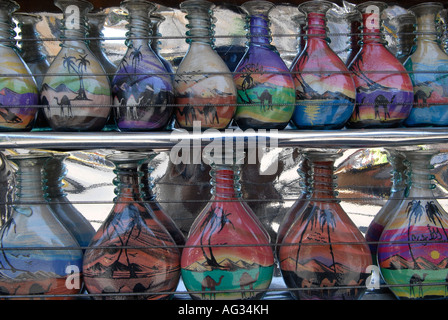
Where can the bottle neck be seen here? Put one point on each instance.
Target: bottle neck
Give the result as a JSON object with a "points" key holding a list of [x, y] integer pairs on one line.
{"points": [[200, 27], [31, 45], [54, 173], [7, 32], [74, 36], [259, 30], [225, 182], [155, 40], [147, 182], [139, 33], [29, 182], [316, 28], [371, 29], [322, 180], [420, 176], [127, 182], [399, 181], [426, 30]]}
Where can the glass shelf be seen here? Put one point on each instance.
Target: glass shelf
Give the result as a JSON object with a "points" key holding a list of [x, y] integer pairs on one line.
{"points": [[363, 138]]}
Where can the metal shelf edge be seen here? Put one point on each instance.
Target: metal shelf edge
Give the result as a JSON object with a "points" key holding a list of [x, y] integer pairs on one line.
{"points": [[356, 138]]}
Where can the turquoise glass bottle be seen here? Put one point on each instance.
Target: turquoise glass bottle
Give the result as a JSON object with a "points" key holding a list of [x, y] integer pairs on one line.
{"points": [[54, 174], [53, 263], [32, 52], [398, 193], [150, 198]]}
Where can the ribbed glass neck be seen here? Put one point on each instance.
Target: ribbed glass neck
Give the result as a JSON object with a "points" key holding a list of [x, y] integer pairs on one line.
{"points": [[419, 172], [139, 31], [29, 177], [200, 21], [398, 163], [128, 176], [7, 34], [426, 14], [147, 182], [300, 22], [316, 22], [322, 178], [257, 22], [225, 182], [31, 45], [371, 22], [156, 20], [96, 23], [54, 173], [74, 23]]}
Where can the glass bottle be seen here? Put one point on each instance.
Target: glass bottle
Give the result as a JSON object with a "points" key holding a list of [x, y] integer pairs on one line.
{"points": [[96, 37], [54, 173], [428, 67], [299, 21], [325, 91], [34, 225], [383, 99], [323, 251], [203, 85], [76, 89], [405, 40], [142, 89], [227, 254], [265, 88], [7, 180], [132, 256], [413, 248], [354, 19], [150, 198], [156, 20], [18, 88], [299, 205], [397, 195], [32, 52]]}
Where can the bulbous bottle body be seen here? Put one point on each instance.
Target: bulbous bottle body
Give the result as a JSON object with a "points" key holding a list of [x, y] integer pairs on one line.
{"points": [[76, 90], [413, 248], [388, 210], [203, 86], [142, 89], [20, 96], [227, 252], [262, 79], [132, 256], [33, 224], [382, 99], [323, 247], [72, 218], [427, 66], [325, 91]]}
